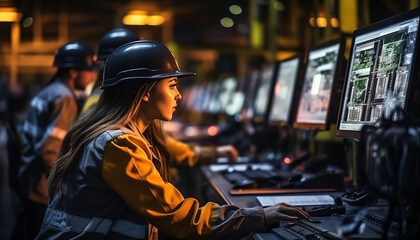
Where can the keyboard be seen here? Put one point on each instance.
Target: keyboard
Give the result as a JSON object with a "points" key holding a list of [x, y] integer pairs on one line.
{"points": [[261, 176], [266, 178], [302, 230], [234, 177]]}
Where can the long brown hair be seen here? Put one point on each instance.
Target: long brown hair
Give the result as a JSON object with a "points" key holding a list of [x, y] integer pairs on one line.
{"points": [[116, 107]]}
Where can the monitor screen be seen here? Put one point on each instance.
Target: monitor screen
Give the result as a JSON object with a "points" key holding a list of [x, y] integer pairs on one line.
{"points": [[252, 81], [284, 91], [262, 95], [213, 105], [382, 61], [228, 87], [319, 86], [199, 96], [234, 99]]}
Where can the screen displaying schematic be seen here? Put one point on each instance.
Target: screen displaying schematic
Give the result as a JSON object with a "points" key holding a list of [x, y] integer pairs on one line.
{"points": [[379, 73]]}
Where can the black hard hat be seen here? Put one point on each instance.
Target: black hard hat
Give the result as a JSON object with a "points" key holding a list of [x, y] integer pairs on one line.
{"points": [[141, 60], [113, 39], [75, 55]]}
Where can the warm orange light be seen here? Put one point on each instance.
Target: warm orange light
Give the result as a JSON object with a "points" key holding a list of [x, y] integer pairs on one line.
{"points": [[312, 21], [155, 20], [212, 130], [9, 15], [334, 22], [287, 160], [135, 20], [143, 18], [321, 22]]}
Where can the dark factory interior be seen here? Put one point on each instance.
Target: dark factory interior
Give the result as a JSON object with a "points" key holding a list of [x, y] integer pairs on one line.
{"points": [[316, 100]]}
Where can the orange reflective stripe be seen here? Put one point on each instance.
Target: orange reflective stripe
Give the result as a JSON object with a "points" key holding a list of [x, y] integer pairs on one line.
{"points": [[59, 133]]}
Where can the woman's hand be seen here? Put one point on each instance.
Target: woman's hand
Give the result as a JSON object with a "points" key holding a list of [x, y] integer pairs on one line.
{"points": [[229, 152], [283, 211]]}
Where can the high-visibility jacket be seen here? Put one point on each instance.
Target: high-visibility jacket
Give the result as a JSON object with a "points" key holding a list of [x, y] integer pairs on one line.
{"points": [[114, 191], [49, 116]]}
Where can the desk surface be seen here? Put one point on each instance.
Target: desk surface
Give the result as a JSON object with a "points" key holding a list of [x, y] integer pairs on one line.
{"points": [[222, 186]]}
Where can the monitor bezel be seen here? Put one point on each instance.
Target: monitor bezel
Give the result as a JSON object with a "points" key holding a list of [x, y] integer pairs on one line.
{"points": [[293, 101], [413, 84], [334, 94]]}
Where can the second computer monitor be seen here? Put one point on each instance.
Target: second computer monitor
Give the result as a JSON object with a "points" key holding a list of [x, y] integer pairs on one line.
{"points": [[317, 101]]}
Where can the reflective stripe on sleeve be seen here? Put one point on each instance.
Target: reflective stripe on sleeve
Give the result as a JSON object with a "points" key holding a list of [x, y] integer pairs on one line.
{"points": [[59, 133], [69, 222]]}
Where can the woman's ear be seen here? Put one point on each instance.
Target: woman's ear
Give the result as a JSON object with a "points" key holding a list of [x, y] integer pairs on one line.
{"points": [[146, 97]]}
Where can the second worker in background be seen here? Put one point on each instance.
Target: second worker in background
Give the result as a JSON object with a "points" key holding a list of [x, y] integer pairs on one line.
{"points": [[50, 114]]}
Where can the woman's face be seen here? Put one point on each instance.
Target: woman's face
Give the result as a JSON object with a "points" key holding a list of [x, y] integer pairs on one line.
{"points": [[162, 100]]}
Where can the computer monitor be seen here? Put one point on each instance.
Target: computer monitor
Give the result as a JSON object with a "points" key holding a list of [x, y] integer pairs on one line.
{"points": [[235, 100], [199, 96], [213, 105], [318, 96], [383, 64], [283, 93], [262, 92], [227, 92], [252, 80]]}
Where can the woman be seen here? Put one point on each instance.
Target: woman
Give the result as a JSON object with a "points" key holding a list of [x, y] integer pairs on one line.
{"points": [[111, 180]]}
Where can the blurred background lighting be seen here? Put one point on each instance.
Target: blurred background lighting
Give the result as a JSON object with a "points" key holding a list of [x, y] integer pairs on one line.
{"points": [[321, 22], [27, 22], [155, 20], [143, 18], [235, 9], [212, 130], [312, 21], [334, 22], [279, 6], [9, 15], [226, 22]]}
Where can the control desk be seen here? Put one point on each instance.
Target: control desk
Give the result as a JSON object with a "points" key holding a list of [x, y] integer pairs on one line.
{"points": [[336, 221]]}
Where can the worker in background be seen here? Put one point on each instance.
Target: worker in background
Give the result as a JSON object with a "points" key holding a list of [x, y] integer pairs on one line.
{"points": [[50, 114], [107, 44]]}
